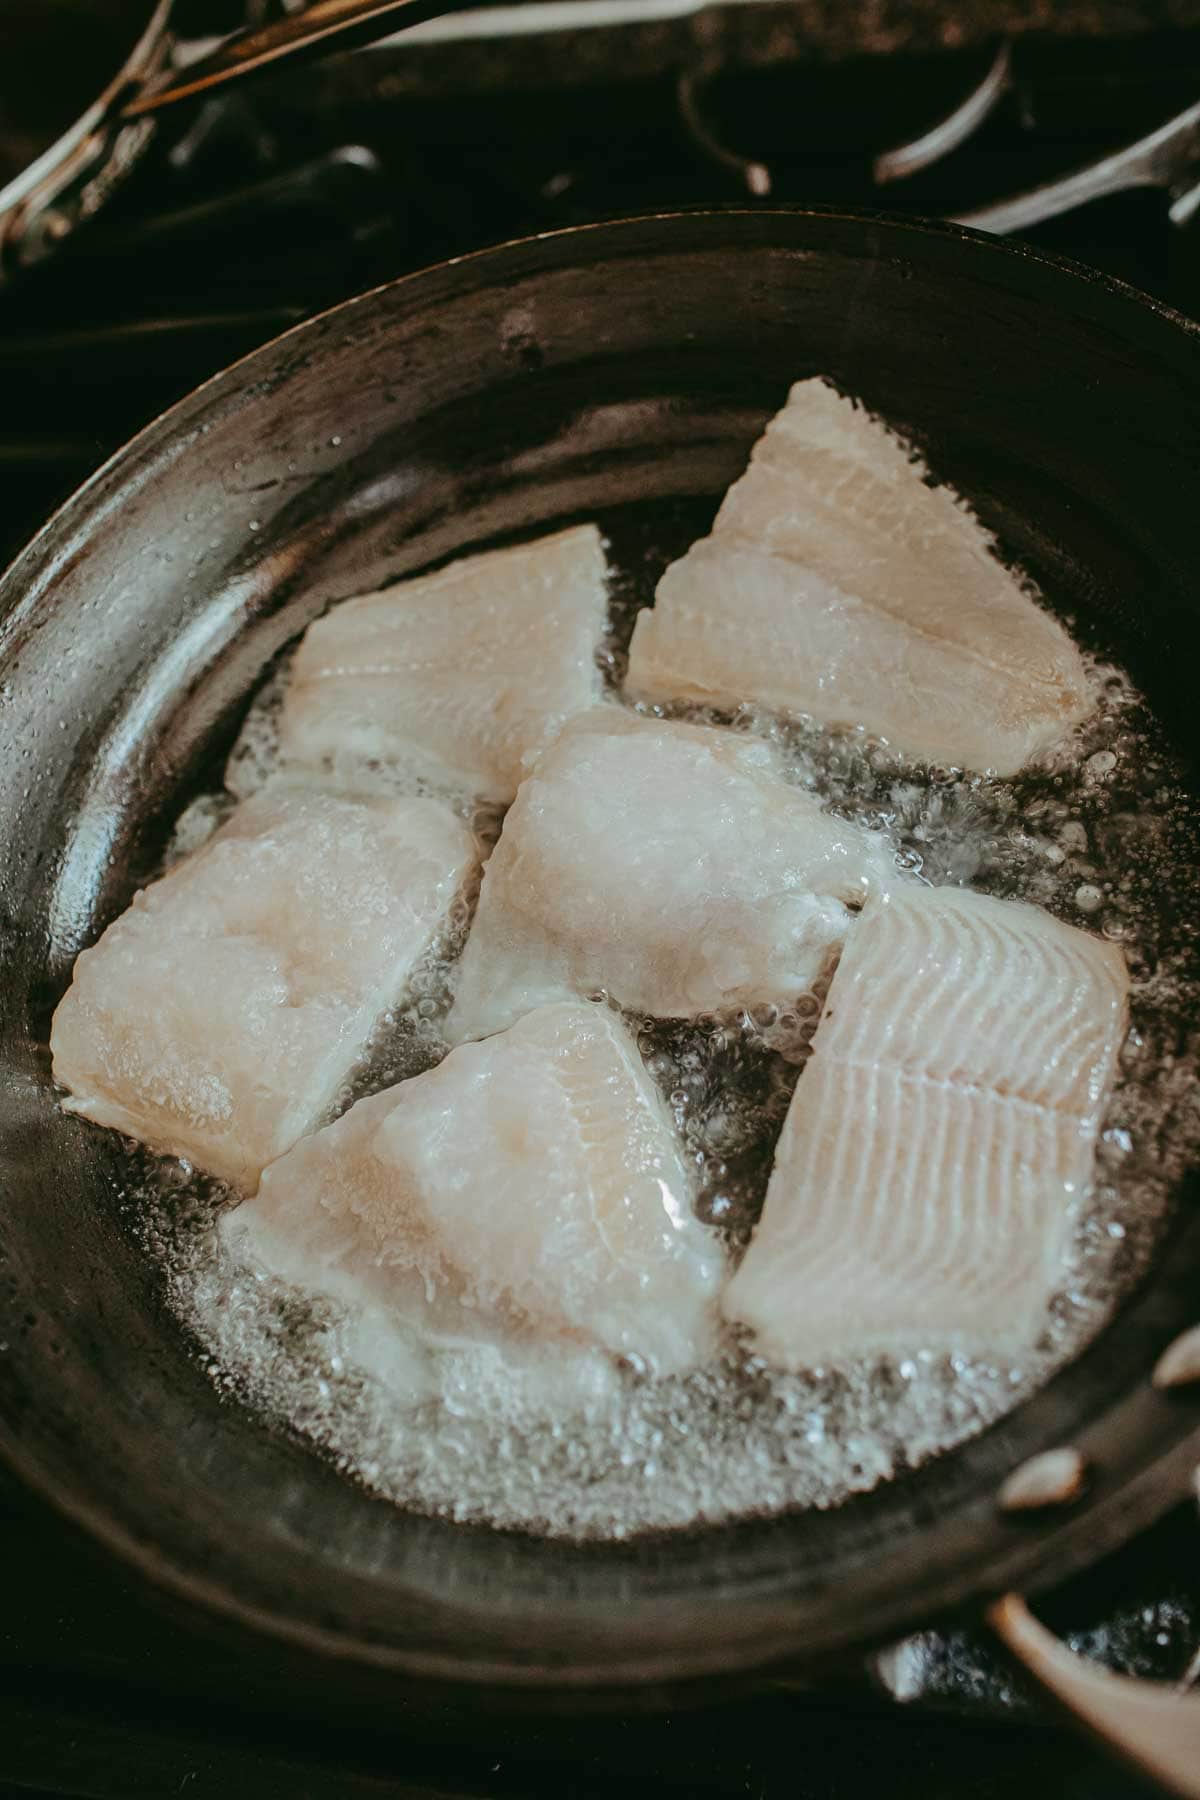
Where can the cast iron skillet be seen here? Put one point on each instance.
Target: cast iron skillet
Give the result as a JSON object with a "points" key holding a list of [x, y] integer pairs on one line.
{"points": [[624, 362]]}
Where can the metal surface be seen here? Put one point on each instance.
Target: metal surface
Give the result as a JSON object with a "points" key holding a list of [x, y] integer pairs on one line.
{"points": [[952, 131], [1168, 158], [949, 133], [323, 26], [586, 371], [1156, 1731], [74, 175], [753, 175]]}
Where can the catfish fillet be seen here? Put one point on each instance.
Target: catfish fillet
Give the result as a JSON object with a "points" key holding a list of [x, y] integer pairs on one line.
{"points": [[940, 1135], [669, 865], [534, 1180], [460, 677], [837, 583], [219, 1016]]}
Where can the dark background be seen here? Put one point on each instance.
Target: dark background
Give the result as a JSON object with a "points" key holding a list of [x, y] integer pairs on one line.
{"points": [[254, 212]]}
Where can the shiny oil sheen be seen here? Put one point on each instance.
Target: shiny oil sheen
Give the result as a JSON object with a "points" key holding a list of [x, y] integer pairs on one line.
{"points": [[502, 393]]}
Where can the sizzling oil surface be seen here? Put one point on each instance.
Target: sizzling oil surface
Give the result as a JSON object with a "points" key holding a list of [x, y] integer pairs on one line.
{"points": [[1103, 834]]}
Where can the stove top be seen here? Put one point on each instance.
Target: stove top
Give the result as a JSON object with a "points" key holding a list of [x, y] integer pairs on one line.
{"points": [[259, 211], [107, 1693], [254, 212]]}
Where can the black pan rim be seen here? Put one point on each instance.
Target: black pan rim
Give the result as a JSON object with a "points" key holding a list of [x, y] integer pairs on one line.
{"points": [[1041, 1548], [496, 254]]}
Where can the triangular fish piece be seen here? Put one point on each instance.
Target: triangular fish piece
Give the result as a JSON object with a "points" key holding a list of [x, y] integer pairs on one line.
{"points": [[219, 1015], [940, 1135], [837, 583], [535, 1180], [460, 676], [670, 866]]}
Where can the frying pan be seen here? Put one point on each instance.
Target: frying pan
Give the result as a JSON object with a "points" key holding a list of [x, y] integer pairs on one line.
{"points": [[617, 366]]}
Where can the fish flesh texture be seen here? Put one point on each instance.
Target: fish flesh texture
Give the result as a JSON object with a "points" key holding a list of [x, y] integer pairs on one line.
{"points": [[940, 1136], [670, 866], [535, 1180], [460, 676], [667, 865], [837, 583], [219, 1016]]}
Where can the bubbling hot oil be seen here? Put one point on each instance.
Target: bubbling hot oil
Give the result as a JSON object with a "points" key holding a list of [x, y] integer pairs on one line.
{"points": [[1103, 834]]}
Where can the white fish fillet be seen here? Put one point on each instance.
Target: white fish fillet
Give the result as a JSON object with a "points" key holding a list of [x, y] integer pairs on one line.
{"points": [[837, 583], [669, 865], [536, 1178], [940, 1134], [462, 675], [217, 1018]]}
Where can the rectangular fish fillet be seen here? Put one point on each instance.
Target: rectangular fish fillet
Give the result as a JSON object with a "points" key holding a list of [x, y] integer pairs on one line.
{"points": [[218, 1017], [670, 866], [462, 675], [535, 1178], [837, 583], [940, 1134]]}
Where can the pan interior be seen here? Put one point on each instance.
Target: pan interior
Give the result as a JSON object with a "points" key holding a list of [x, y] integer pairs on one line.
{"points": [[621, 372], [1100, 835]]}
